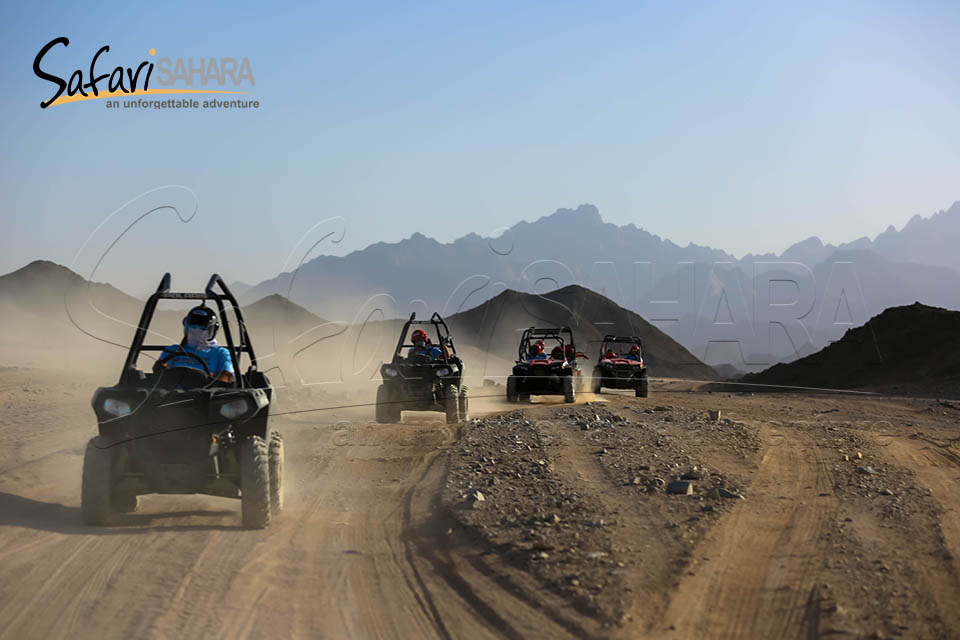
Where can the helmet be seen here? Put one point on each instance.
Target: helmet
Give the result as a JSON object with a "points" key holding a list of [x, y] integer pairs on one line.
{"points": [[609, 354], [418, 336], [557, 353], [569, 351], [536, 348], [204, 318], [635, 349]]}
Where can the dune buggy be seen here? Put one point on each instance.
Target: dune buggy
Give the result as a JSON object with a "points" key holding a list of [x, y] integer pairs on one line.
{"points": [[615, 370], [421, 382], [557, 373], [179, 431]]}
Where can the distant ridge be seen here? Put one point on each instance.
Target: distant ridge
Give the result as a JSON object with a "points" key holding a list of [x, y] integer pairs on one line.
{"points": [[38, 330], [495, 326], [915, 347]]}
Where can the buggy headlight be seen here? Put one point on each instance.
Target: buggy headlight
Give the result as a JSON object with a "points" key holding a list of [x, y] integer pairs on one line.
{"points": [[234, 408], [390, 371], [443, 371], [116, 407]]}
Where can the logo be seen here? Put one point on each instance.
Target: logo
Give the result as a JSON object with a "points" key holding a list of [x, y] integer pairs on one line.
{"points": [[148, 78]]}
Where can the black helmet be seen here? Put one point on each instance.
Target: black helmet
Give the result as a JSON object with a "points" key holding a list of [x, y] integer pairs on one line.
{"points": [[202, 317]]}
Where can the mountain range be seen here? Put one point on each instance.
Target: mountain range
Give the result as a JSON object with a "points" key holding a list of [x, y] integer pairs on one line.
{"points": [[722, 309]]}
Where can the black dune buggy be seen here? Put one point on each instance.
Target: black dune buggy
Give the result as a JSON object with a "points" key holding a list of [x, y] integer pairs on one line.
{"points": [[421, 382], [557, 373], [179, 431], [616, 371]]}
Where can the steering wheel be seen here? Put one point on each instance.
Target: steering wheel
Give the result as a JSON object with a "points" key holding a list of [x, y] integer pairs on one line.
{"points": [[183, 352], [420, 357]]}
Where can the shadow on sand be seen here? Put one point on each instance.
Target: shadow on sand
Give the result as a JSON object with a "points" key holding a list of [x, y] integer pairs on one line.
{"points": [[19, 511]]}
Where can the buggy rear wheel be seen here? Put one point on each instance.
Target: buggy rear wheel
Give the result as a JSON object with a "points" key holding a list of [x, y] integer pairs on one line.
{"points": [[452, 404], [512, 389], [464, 403], [254, 483], [388, 409], [597, 381], [275, 459], [95, 507], [569, 393]]}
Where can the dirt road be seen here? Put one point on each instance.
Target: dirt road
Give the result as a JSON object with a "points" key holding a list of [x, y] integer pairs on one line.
{"points": [[358, 553], [370, 547]]}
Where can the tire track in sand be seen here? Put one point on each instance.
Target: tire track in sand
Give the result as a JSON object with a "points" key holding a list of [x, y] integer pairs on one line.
{"points": [[755, 570]]}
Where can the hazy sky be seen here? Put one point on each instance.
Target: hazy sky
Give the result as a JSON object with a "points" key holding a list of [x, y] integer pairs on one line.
{"points": [[737, 125]]}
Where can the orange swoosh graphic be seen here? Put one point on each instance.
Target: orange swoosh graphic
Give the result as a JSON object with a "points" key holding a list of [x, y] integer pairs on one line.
{"points": [[120, 94]]}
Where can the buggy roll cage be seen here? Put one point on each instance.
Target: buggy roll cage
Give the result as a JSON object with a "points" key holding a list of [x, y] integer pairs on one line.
{"points": [[619, 339], [163, 293], [533, 333], [443, 333]]}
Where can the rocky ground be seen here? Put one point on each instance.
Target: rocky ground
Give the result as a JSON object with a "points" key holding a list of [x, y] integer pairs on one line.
{"points": [[618, 506]]}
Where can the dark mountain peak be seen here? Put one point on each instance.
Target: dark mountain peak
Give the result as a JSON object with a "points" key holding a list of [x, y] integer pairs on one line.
{"points": [[589, 314], [915, 345], [43, 276], [41, 268], [272, 300], [275, 303]]}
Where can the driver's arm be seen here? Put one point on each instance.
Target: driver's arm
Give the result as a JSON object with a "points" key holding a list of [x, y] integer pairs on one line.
{"points": [[226, 367], [159, 364]]}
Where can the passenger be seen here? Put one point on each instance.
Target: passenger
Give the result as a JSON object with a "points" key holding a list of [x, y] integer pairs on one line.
{"points": [[557, 353], [569, 352], [609, 355], [535, 352], [422, 346], [199, 329]]}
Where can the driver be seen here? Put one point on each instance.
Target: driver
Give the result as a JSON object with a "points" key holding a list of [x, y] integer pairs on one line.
{"points": [[199, 328], [422, 346]]}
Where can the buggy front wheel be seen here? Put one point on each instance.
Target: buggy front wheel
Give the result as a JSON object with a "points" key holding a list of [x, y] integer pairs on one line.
{"points": [[464, 403], [452, 404], [387, 409], [275, 460], [512, 389], [642, 387], [569, 393], [254, 483]]}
